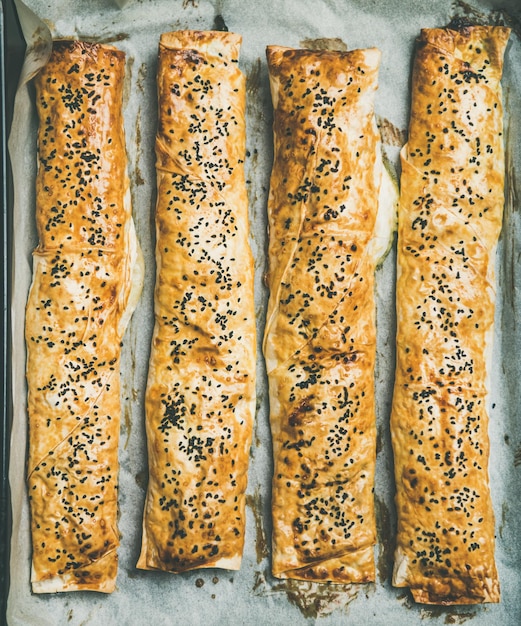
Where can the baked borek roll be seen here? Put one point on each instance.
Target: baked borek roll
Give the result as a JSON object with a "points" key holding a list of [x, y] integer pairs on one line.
{"points": [[200, 399], [450, 217], [330, 213], [86, 281]]}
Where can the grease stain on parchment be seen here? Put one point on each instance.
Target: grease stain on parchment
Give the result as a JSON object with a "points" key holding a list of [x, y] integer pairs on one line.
{"points": [[257, 436], [138, 178], [459, 618], [517, 457], [313, 600], [462, 9], [379, 442], [253, 77], [405, 599], [511, 255], [141, 77], [131, 395], [141, 479], [504, 518], [254, 501], [498, 17], [324, 43], [127, 82], [38, 52], [219, 23], [384, 564], [128, 423], [251, 187], [391, 135], [452, 614], [102, 39], [50, 24]]}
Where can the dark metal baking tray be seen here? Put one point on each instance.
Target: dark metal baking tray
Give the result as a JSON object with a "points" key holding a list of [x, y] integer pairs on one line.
{"points": [[12, 47]]}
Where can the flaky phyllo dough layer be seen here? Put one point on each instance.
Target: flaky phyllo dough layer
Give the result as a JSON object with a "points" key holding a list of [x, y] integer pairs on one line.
{"points": [[450, 217], [86, 281], [200, 399], [331, 212]]}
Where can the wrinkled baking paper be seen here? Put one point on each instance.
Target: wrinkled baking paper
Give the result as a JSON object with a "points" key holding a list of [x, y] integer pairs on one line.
{"points": [[252, 595]]}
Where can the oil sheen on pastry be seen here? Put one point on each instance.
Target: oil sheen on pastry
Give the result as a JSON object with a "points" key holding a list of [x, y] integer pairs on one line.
{"points": [[87, 276], [200, 399], [450, 216], [331, 213]]}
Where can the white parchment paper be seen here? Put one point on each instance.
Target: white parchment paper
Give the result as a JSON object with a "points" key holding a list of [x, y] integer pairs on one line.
{"points": [[252, 595]]}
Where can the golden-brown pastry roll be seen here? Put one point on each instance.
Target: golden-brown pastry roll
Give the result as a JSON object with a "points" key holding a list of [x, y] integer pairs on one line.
{"points": [[200, 399], [330, 215], [450, 217], [86, 281]]}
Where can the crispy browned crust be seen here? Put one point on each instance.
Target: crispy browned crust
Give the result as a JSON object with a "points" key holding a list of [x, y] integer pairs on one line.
{"points": [[320, 333], [200, 397], [75, 318], [449, 221]]}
